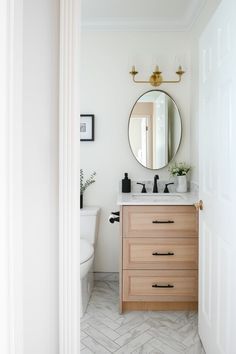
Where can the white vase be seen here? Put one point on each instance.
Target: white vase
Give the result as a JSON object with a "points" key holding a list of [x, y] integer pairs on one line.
{"points": [[181, 184]]}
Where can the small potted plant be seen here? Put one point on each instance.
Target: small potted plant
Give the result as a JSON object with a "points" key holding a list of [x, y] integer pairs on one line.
{"points": [[85, 184], [180, 171]]}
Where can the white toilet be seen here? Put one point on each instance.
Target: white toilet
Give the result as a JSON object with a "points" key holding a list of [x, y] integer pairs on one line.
{"points": [[89, 218]]}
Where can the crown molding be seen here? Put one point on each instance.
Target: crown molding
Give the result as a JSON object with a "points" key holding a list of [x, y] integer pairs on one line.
{"points": [[194, 12], [120, 24], [161, 25]]}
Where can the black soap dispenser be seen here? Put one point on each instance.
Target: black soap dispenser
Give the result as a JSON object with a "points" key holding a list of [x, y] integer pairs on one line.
{"points": [[126, 184]]}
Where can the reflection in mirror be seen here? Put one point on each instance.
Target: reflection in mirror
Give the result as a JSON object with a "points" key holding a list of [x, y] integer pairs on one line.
{"points": [[154, 129]]}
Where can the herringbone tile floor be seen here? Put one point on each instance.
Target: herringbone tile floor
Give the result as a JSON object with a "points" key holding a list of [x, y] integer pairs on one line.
{"points": [[104, 330]]}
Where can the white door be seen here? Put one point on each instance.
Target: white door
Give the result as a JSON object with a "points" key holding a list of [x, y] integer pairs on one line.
{"points": [[217, 156]]}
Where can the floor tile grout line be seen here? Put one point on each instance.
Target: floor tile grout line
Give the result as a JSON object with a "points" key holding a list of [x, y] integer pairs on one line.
{"points": [[130, 329], [97, 344], [125, 345], [104, 336], [99, 315], [132, 338], [104, 333], [164, 343], [112, 319]]}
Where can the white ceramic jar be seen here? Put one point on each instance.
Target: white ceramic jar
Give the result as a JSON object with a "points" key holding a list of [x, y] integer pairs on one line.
{"points": [[181, 186]]}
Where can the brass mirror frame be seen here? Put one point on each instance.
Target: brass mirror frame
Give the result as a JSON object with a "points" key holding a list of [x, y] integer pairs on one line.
{"points": [[181, 126]]}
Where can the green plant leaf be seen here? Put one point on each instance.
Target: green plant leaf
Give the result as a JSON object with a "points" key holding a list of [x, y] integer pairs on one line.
{"points": [[88, 182]]}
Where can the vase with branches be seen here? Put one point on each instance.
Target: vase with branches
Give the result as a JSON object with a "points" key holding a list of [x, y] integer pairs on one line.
{"points": [[180, 171], [84, 184]]}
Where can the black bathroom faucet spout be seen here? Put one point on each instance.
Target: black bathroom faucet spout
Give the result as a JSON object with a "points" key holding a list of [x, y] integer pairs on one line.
{"points": [[155, 188]]}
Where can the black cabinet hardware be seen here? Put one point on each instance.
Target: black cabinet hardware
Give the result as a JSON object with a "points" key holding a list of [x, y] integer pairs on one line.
{"points": [[162, 286], [163, 222], [163, 254]]}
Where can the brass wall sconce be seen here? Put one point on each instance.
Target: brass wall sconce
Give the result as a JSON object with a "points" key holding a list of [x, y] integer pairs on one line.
{"points": [[156, 78]]}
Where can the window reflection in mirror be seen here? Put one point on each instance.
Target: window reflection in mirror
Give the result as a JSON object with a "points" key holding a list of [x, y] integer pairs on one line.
{"points": [[154, 129]]}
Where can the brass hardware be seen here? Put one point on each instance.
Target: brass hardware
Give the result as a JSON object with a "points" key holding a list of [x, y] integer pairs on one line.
{"points": [[156, 78], [199, 205]]}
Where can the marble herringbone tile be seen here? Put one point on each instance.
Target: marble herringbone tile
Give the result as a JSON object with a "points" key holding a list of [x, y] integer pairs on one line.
{"points": [[104, 330], [94, 347], [102, 339], [146, 349], [85, 351]]}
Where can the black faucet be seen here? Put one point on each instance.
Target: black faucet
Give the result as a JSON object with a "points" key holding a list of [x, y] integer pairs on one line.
{"points": [[166, 190], [144, 188], [155, 188]]}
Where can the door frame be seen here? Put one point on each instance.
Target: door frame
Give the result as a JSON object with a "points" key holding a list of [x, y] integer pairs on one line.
{"points": [[11, 237], [69, 277], [11, 119]]}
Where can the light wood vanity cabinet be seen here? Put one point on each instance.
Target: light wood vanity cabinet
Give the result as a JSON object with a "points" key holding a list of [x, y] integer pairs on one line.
{"points": [[159, 265]]}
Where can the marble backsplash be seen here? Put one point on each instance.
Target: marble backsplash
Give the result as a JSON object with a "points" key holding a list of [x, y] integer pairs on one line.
{"points": [[136, 188]]}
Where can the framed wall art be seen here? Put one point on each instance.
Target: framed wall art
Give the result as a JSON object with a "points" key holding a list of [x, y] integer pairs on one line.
{"points": [[87, 127]]}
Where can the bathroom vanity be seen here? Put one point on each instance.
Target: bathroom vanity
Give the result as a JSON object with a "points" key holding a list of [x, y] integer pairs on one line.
{"points": [[159, 231], [159, 252]]}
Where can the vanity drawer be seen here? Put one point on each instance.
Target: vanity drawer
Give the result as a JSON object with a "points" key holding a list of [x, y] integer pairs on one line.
{"points": [[160, 253], [160, 285], [160, 221]]}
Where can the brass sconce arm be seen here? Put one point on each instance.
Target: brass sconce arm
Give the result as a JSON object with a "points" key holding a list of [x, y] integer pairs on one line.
{"points": [[156, 78]]}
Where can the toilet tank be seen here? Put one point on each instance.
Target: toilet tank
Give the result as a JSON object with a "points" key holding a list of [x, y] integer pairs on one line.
{"points": [[89, 220]]}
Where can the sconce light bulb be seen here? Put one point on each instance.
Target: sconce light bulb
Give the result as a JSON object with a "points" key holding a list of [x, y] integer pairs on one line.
{"points": [[157, 68], [133, 68]]}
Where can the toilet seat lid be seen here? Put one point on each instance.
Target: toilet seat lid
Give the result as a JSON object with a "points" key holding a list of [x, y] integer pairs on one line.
{"points": [[86, 250]]}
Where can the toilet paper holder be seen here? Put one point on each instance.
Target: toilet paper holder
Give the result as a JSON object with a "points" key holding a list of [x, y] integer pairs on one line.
{"points": [[114, 217]]}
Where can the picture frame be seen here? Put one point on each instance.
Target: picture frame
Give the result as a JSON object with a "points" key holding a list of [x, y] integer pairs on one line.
{"points": [[87, 127]]}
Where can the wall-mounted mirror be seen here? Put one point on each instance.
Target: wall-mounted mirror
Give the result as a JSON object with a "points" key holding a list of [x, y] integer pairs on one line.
{"points": [[155, 129]]}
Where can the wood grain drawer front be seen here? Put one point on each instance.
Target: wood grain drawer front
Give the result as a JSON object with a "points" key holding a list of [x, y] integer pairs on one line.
{"points": [[159, 221], [161, 253], [150, 285]]}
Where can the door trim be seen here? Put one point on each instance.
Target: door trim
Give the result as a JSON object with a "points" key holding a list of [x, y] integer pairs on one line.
{"points": [[11, 242], [68, 178]]}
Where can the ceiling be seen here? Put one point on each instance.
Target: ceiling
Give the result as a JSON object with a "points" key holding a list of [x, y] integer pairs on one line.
{"points": [[142, 15]]}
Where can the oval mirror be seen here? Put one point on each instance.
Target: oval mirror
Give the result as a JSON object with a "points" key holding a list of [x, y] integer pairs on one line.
{"points": [[154, 129]]}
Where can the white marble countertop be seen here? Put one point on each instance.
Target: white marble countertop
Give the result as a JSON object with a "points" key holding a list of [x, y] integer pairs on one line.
{"points": [[188, 198]]}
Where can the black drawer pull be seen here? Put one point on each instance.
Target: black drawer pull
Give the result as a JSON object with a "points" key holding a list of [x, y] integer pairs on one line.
{"points": [[162, 286], [163, 222], [163, 254]]}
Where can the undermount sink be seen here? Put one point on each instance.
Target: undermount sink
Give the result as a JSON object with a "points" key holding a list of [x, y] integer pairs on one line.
{"points": [[159, 197]]}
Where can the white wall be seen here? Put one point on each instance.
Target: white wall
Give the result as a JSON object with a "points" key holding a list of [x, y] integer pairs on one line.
{"points": [[40, 176], [109, 93]]}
